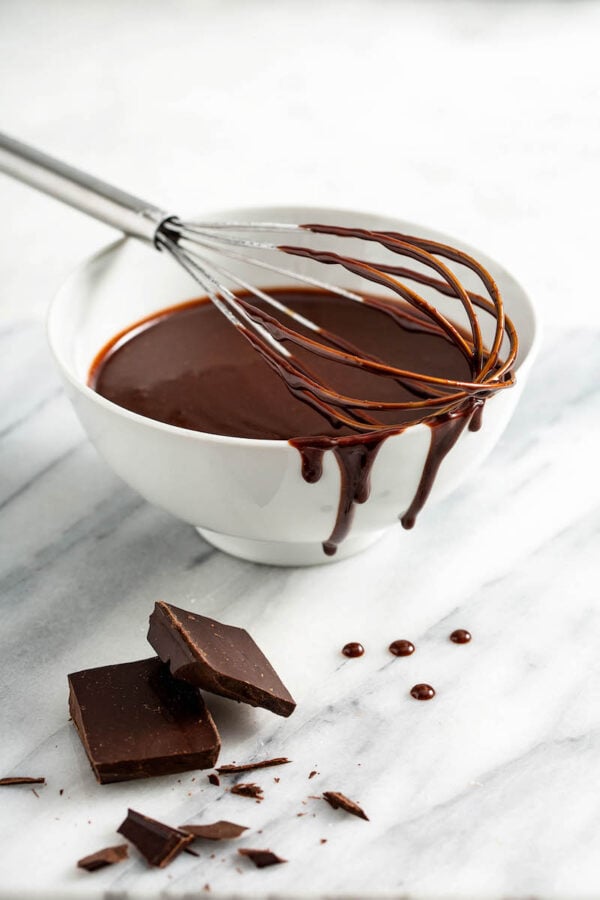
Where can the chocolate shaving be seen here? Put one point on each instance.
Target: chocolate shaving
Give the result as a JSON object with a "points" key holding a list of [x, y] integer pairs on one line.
{"points": [[312, 774], [248, 790], [158, 843], [262, 858], [248, 767], [339, 801], [214, 779], [217, 831], [106, 857], [21, 779]]}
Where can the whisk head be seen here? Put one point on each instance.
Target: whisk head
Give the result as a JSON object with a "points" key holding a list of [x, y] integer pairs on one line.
{"points": [[209, 252]]}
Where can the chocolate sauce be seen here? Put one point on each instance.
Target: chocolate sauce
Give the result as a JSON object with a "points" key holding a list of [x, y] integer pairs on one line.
{"points": [[353, 649], [460, 636], [187, 366], [422, 692], [402, 648]]}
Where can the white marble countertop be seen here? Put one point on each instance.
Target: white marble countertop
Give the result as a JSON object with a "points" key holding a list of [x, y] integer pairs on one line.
{"points": [[488, 791]]}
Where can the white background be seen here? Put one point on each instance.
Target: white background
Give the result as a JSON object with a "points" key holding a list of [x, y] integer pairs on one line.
{"points": [[479, 118]]}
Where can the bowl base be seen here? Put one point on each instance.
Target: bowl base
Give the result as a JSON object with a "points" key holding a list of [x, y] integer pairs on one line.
{"points": [[279, 553]]}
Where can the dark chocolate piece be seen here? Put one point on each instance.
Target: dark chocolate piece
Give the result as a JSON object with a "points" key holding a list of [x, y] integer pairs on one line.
{"points": [[106, 857], [339, 801], [21, 779], [402, 648], [262, 858], [460, 636], [158, 843], [353, 650], [248, 790], [218, 658], [312, 774], [135, 720], [217, 831], [214, 779], [422, 692], [248, 767]]}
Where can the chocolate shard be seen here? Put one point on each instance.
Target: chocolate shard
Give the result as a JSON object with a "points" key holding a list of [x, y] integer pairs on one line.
{"points": [[248, 790], [106, 857], [158, 843], [214, 779], [218, 658], [339, 801], [262, 858], [21, 779], [248, 767], [217, 831], [135, 721]]}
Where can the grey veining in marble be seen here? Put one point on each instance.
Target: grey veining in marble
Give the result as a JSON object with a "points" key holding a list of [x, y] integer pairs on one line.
{"points": [[488, 790]]}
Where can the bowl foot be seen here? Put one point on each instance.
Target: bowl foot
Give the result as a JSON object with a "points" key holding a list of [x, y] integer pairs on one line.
{"points": [[279, 553]]}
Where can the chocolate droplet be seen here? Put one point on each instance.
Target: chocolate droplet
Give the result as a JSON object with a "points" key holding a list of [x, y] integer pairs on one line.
{"points": [[401, 648], [460, 636], [353, 649], [422, 692]]}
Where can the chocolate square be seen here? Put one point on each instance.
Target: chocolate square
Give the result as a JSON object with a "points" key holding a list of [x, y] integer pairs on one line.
{"points": [[219, 658], [135, 720]]}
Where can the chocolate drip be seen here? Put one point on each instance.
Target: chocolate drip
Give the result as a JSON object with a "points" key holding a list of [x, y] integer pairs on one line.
{"points": [[353, 650], [355, 458], [444, 435], [402, 648], [460, 636], [477, 417]]}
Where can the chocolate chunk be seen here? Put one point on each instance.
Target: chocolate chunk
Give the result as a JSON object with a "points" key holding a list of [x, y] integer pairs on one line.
{"points": [[248, 767], [135, 720], [339, 801], [217, 831], [248, 790], [214, 779], [21, 779], [312, 774], [158, 843], [106, 857], [262, 858], [218, 658]]}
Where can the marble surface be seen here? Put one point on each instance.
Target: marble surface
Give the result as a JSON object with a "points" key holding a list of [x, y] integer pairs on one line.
{"points": [[486, 791], [489, 791]]}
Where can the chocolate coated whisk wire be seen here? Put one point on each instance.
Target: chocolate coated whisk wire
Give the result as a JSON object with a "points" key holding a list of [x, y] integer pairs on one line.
{"points": [[194, 245]]}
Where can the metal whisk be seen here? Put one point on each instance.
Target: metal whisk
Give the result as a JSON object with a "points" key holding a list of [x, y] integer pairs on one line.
{"points": [[194, 246]]}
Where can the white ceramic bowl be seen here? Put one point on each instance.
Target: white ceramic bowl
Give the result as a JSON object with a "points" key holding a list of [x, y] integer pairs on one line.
{"points": [[248, 497]]}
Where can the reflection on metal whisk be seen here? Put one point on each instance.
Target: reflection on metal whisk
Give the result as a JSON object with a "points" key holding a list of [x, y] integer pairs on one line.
{"points": [[209, 252]]}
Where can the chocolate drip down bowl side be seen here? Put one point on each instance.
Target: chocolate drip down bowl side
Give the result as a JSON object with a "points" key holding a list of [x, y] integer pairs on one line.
{"points": [[248, 497]]}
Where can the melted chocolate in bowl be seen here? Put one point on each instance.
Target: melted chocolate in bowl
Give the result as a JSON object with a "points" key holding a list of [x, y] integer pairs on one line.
{"points": [[188, 366]]}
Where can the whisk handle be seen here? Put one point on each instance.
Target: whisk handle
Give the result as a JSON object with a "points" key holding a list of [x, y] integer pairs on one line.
{"points": [[90, 195]]}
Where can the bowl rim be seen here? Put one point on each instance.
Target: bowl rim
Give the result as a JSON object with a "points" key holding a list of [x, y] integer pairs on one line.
{"points": [[311, 211]]}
